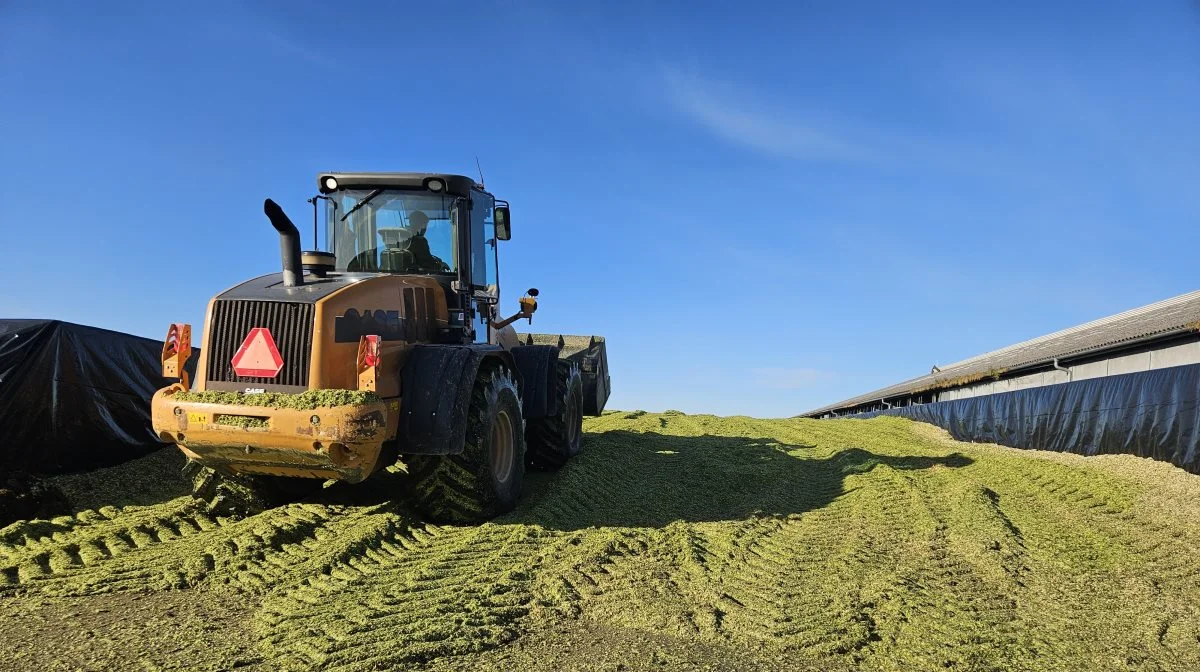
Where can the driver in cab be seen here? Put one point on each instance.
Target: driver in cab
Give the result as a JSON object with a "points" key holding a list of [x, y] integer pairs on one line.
{"points": [[418, 245]]}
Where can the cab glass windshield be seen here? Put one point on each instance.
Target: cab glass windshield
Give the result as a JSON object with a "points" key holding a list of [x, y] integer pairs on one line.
{"points": [[392, 230]]}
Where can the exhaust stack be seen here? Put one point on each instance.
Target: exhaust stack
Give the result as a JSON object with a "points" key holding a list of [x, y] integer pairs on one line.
{"points": [[289, 243]]}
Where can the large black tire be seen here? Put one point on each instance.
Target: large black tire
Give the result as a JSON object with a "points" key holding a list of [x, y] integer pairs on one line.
{"points": [[242, 494], [484, 480], [557, 438]]}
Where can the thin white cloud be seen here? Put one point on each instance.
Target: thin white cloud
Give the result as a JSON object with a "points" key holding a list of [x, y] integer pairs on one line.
{"points": [[783, 378], [793, 129], [737, 117], [285, 44], [274, 33]]}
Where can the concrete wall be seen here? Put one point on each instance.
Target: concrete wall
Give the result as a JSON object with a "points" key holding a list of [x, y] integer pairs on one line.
{"points": [[1160, 358], [1188, 353]]}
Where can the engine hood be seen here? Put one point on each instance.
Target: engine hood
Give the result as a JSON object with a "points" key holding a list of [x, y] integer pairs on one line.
{"points": [[318, 327], [270, 287]]}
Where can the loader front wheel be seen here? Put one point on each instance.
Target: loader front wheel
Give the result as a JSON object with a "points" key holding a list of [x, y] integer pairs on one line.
{"points": [[485, 479], [557, 438], [242, 494]]}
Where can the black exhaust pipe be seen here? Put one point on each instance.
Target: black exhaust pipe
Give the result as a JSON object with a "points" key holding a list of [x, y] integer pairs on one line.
{"points": [[289, 243]]}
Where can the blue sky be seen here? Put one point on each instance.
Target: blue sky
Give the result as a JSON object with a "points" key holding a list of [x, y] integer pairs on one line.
{"points": [[765, 208]]}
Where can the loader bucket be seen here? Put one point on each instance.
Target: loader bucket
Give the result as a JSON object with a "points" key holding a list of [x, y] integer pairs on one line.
{"points": [[592, 356]]}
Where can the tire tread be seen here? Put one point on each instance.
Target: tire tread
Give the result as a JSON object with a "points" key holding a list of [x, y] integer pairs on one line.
{"points": [[452, 488], [548, 438]]}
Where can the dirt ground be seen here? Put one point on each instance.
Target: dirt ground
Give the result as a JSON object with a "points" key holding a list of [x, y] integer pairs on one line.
{"points": [[672, 542], [168, 630]]}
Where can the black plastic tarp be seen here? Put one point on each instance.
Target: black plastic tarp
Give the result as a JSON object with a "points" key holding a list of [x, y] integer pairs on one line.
{"points": [[1152, 414], [74, 397]]}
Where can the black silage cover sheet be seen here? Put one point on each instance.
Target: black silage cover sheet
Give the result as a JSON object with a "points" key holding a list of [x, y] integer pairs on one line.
{"points": [[74, 397], [1153, 414]]}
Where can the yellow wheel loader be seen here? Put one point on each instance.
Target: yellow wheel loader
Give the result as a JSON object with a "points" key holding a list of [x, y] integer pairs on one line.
{"points": [[385, 345]]}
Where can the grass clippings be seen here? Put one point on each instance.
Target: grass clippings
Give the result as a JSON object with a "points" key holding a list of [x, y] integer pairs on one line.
{"points": [[303, 401], [672, 542], [243, 421]]}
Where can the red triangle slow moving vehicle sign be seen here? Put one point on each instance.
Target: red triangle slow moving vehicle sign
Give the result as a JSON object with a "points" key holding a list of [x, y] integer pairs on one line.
{"points": [[258, 357]]}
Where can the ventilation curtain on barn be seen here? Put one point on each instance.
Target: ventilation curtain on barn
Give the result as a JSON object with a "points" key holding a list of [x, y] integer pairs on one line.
{"points": [[1152, 414]]}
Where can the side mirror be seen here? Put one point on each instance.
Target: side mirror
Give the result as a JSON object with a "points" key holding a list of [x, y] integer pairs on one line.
{"points": [[503, 225], [529, 303]]}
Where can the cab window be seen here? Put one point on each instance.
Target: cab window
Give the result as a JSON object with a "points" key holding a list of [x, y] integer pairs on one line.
{"points": [[392, 231], [484, 270]]}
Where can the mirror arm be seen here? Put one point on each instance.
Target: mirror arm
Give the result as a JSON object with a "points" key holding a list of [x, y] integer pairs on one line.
{"points": [[507, 321]]}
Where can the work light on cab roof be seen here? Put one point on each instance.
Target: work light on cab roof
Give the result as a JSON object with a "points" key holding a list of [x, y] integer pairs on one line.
{"points": [[388, 327]]}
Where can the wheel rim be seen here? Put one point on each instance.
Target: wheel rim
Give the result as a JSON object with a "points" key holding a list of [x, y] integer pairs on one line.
{"points": [[575, 420], [502, 447]]}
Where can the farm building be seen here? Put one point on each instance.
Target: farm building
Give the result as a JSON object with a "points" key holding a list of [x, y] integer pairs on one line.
{"points": [[1127, 383]]}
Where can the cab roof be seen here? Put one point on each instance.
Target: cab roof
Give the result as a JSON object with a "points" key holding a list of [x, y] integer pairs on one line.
{"points": [[459, 185]]}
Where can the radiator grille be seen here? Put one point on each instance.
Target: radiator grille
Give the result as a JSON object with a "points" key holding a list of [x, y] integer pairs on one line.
{"points": [[290, 324]]}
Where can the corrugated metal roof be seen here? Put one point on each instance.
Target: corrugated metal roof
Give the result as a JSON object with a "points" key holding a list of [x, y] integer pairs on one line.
{"points": [[1157, 319]]}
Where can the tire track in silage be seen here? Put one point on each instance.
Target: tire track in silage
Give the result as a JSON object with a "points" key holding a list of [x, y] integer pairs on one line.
{"points": [[591, 490], [724, 579], [449, 590], [177, 545], [646, 548], [39, 554], [843, 579], [1098, 552], [804, 586], [1100, 547], [472, 587], [955, 601], [460, 592], [1165, 553], [745, 565], [600, 488]]}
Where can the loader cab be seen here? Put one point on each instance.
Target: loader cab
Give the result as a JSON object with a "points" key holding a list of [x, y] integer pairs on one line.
{"points": [[392, 231], [440, 225]]}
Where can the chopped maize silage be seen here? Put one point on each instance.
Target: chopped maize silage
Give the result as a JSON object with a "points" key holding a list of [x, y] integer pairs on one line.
{"points": [[671, 542], [304, 401]]}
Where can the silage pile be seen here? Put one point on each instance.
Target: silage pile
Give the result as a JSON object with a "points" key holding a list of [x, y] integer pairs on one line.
{"points": [[672, 542]]}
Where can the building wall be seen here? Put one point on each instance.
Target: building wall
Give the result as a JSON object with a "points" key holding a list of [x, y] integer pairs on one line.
{"points": [[1147, 360]]}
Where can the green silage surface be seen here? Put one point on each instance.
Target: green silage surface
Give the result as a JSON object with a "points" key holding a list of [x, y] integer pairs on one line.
{"points": [[243, 421], [304, 401], [675, 541]]}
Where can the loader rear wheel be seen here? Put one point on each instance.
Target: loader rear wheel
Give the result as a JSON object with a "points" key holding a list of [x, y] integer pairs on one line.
{"points": [[557, 438], [242, 494], [485, 479]]}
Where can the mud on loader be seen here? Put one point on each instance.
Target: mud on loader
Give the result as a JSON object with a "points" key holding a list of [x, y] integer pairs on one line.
{"points": [[385, 345]]}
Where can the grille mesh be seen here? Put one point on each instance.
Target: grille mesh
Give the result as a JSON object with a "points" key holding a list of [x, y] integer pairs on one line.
{"points": [[290, 324]]}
